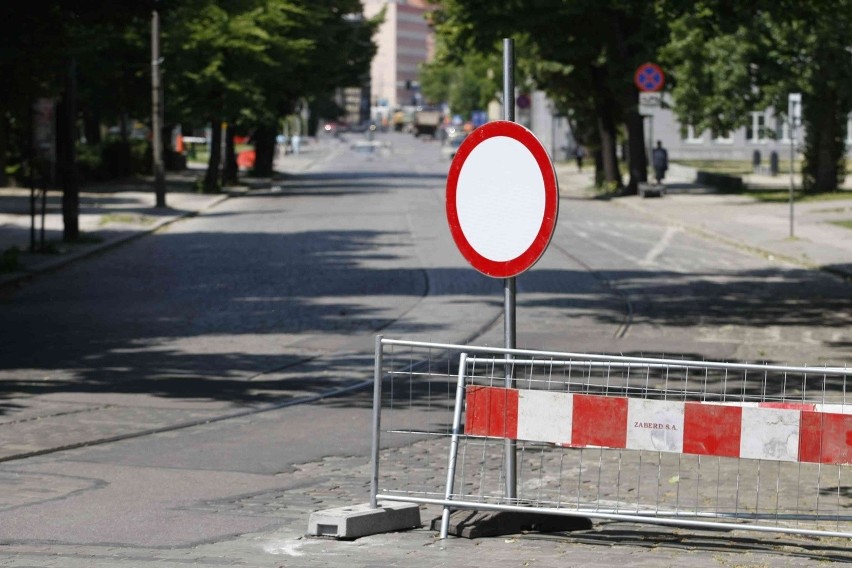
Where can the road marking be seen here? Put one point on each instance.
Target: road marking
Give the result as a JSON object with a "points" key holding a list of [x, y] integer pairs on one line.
{"points": [[661, 246]]}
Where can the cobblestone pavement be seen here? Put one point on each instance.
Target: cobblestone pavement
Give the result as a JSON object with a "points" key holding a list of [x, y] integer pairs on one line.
{"points": [[343, 480], [269, 519]]}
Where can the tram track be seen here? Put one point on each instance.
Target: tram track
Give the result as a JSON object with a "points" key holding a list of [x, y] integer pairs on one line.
{"points": [[340, 389]]}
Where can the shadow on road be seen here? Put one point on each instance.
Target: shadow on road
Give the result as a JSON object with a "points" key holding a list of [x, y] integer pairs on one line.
{"points": [[119, 322]]}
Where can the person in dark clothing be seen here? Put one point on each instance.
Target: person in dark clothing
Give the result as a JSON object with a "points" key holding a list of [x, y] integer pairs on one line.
{"points": [[660, 159], [579, 154]]}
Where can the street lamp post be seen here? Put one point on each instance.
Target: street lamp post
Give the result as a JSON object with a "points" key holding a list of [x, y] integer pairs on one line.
{"points": [[157, 112]]}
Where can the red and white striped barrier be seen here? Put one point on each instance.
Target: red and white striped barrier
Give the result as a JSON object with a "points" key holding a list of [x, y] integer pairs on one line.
{"points": [[792, 432]]}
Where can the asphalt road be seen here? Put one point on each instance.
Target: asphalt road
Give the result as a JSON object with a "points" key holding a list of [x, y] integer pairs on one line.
{"points": [[173, 344]]}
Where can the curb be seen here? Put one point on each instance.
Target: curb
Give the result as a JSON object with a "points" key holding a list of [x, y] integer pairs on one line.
{"points": [[17, 280], [752, 249]]}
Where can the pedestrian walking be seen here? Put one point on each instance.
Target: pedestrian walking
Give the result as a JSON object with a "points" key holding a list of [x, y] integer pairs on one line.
{"points": [[579, 154], [660, 159]]}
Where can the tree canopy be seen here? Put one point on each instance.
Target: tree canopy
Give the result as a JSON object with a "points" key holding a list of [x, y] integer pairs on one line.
{"points": [[724, 59], [582, 53], [247, 62], [729, 58]]}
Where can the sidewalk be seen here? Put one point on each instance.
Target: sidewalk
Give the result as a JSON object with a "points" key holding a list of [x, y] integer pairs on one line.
{"points": [[817, 241], [111, 213]]}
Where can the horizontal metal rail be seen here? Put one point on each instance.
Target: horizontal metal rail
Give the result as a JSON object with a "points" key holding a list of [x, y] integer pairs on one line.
{"points": [[619, 358], [613, 516]]}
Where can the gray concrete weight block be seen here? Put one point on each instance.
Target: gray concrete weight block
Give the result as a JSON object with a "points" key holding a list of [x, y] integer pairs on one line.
{"points": [[360, 520]]}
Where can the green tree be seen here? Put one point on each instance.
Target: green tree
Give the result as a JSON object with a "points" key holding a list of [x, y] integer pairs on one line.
{"points": [[213, 50], [592, 48], [33, 36], [44, 51], [323, 45], [466, 86], [731, 58], [251, 62]]}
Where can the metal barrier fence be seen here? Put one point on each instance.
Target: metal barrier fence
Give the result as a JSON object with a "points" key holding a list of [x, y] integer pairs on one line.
{"points": [[665, 441]]}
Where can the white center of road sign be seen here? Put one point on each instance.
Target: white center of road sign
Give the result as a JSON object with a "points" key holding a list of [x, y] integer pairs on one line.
{"points": [[502, 199]]}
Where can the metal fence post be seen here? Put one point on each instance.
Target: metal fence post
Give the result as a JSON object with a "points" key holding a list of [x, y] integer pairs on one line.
{"points": [[377, 419], [454, 445]]}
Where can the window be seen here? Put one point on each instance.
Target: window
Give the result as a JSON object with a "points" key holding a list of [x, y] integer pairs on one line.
{"points": [[782, 130], [688, 135], [756, 131], [722, 137], [849, 129]]}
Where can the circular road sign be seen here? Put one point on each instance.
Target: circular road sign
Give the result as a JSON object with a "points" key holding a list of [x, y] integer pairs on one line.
{"points": [[502, 199], [649, 78]]}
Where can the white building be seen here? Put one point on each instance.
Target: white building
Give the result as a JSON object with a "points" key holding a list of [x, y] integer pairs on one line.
{"points": [[765, 133]]}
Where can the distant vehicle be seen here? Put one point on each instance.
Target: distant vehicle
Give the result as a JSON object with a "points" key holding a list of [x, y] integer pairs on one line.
{"points": [[451, 146], [331, 127], [398, 121], [361, 127], [426, 122]]}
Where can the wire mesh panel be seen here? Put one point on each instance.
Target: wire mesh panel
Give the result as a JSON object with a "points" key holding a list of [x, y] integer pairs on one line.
{"points": [[667, 441]]}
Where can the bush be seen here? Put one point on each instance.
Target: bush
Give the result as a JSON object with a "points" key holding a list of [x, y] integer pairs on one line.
{"points": [[10, 259], [721, 182], [113, 159], [89, 162]]}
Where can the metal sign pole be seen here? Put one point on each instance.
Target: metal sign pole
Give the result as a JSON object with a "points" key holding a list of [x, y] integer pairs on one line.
{"points": [[794, 116], [792, 157], [509, 283]]}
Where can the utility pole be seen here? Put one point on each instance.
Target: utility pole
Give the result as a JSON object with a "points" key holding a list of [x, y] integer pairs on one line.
{"points": [[67, 156], [157, 112]]}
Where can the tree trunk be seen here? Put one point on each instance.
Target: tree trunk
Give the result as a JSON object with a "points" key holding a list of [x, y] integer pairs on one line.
{"points": [[824, 146], [229, 167], [636, 157], [599, 169], [825, 178], [264, 149], [211, 178], [67, 157], [607, 129], [4, 146], [92, 127]]}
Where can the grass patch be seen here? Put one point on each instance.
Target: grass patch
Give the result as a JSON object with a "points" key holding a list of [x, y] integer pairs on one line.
{"points": [[10, 260], [783, 196], [845, 224], [126, 219], [737, 167], [82, 239], [202, 154]]}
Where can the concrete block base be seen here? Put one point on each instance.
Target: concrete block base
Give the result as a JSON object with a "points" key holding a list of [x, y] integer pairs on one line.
{"points": [[479, 524], [651, 190], [360, 520]]}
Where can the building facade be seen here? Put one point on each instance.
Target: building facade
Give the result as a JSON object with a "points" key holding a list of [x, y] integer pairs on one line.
{"points": [[765, 133], [404, 41]]}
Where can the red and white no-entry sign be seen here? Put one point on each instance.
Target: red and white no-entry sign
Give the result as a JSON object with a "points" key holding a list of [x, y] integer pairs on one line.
{"points": [[502, 199]]}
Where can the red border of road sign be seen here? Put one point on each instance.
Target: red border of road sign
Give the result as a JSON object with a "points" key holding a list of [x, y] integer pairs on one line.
{"points": [[654, 67], [517, 265]]}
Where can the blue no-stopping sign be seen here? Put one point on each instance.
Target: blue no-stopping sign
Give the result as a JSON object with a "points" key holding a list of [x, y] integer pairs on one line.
{"points": [[649, 78]]}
